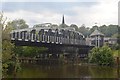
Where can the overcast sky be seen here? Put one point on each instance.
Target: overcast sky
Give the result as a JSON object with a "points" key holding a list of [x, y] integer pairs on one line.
{"points": [[77, 12]]}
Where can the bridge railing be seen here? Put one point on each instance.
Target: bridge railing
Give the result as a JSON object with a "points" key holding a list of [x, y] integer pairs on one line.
{"points": [[54, 38]]}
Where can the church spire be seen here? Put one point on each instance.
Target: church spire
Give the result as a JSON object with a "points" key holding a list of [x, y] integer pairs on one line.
{"points": [[63, 22]]}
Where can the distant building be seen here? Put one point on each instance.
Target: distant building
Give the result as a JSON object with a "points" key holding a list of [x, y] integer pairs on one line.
{"points": [[98, 39], [110, 41]]}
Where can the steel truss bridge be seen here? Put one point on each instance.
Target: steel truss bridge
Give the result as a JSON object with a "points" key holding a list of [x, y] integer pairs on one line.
{"points": [[56, 39]]}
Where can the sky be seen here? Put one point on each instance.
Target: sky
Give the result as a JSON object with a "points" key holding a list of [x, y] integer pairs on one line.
{"points": [[77, 12]]}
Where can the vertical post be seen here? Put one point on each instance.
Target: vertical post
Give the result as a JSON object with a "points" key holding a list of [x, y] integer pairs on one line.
{"points": [[39, 37], [98, 41], [22, 34], [118, 65], [12, 35], [19, 35], [43, 37], [35, 36], [64, 60], [76, 56], [31, 36], [48, 38], [15, 35], [29, 33]]}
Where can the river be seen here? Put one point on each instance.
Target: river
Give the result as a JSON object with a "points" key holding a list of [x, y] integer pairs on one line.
{"points": [[66, 71]]}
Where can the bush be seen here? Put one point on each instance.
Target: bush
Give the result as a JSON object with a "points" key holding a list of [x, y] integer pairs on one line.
{"points": [[101, 56]]}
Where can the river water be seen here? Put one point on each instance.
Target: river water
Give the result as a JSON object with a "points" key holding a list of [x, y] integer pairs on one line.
{"points": [[66, 71]]}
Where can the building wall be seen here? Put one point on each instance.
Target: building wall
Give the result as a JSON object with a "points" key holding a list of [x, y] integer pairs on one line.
{"points": [[103, 40]]}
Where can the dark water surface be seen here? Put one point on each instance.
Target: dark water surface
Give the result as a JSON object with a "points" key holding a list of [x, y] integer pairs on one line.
{"points": [[66, 71]]}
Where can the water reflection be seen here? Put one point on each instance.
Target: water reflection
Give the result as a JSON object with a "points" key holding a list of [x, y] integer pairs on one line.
{"points": [[66, 71], [102, 72]]}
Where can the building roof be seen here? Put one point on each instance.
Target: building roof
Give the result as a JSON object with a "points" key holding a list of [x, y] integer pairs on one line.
{"points": [[96, 32]]}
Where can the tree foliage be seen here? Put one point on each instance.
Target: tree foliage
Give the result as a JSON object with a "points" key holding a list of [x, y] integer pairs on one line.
{"points": [[63, 26], [101, 56], [9, 58], [74, 26], [92, 29], [84, 30], [27, 51], [18, 24], [108, 31]]}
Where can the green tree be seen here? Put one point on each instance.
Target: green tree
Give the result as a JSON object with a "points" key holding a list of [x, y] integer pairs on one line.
{"points": [[27, 51], [18, 24], [101, 56], [18, 50], [84, 30], [118, 39], [8, 64], [109, 30], [93, 28], [54, 26], [32, 51], [74, 26], [103, 29], [63, 26]]}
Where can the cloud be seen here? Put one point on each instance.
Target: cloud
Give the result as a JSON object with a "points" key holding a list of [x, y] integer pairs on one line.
{"points": [[88, 13], [101, 13], [41, 6], [33, 18], [48, 0]]}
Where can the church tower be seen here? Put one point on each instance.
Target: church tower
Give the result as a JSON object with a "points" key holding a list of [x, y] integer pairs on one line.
{"points": [[63, 21]]}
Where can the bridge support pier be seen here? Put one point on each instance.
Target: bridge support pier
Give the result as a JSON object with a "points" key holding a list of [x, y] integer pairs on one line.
{"points": [[76, 56]]}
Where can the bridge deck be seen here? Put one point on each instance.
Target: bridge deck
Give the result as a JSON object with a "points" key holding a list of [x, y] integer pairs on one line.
{"points": [[46, 44]]}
